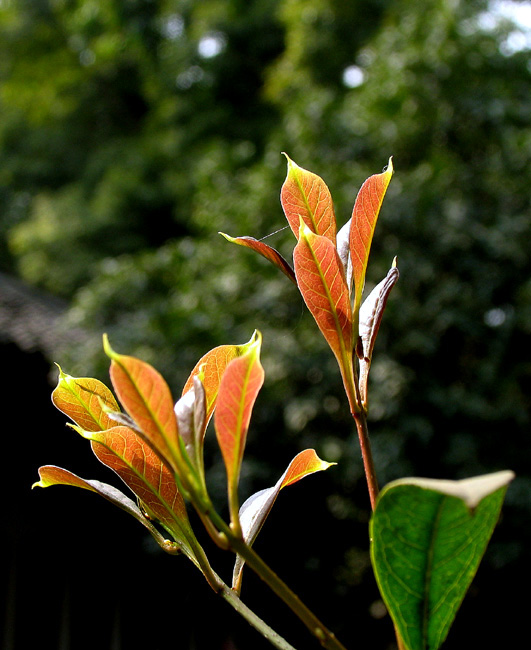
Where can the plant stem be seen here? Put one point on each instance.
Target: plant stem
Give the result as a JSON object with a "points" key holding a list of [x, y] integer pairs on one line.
{"points": [[368, 463], [326, 638], [261, 626]]}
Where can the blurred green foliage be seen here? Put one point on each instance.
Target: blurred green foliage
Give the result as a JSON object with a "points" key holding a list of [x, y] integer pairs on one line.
{"points": [[132, 132]]}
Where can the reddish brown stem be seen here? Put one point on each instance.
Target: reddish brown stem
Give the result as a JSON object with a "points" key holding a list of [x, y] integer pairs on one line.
{"points": [[368, 463]]}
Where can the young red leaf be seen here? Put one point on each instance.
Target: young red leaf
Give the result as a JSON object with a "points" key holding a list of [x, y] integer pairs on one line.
{"points": [[153, 482], [321, 280], [51, 475], [210, 369], [238, 390], [371, 313], [266, 251], [364, 216], [304, 195], [147, 399], [255, 510], [84, 400]]}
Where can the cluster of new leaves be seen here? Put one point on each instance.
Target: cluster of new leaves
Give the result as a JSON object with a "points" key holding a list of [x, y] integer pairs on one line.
{"points": [[330, 266], [427, 536], [156, 446]]}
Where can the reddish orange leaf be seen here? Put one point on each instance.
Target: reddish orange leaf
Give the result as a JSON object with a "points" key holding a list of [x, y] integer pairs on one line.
{"points": [[238, 390], [305, 463], [210, 369], [321, 280], [85, 401], [266, 251], [304, 195], [153, 482], [51, 475], [147, 399], [364, 216], [255, 510]]}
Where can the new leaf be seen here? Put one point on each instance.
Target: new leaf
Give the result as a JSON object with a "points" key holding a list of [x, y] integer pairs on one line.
{"points": [[146, 397], [141, 469], [238, 390], [84, 400], [321, 279], [362, 224], [304, 195], [255, 510], [51, 475]]}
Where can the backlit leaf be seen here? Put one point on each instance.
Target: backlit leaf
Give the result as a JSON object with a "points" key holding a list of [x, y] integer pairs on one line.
{"points": [[146, 397], [210, 369], [238, 390], [84, 400], [153, 482], [255, 510], [304, 195], [266, 251], [51, 475], [428, 537], [363, 222], [322, 283]]}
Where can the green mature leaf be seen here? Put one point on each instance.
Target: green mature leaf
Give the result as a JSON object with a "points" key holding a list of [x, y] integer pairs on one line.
{"points": [[304, 195], [52, 475], [147, 399], [266, 251], [362, 224], [238, 391], [321, 279], [256, 509], [153, 482], [427, 539], [86, 401]]}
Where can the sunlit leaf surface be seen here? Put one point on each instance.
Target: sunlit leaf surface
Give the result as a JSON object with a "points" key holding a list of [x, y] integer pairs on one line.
{"points": [[322, 283], [84, 400], [123, 451], [51, 475], [363, 222], [304, 195], [266, 251], [146, 397], [428, 537], [255, 510], [238, 390]]}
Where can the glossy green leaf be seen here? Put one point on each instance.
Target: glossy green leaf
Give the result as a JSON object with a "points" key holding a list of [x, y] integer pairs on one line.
{"points": [[51, 475], [304, 195], [255, 510], [84, 400], [238, 390], [153, 482], [321, 280], [362, 224], [146, 397], [266, 251], [210, 369], [427, 539]]}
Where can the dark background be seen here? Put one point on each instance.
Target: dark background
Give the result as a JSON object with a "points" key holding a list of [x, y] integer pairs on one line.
{"points": [[130, 134]]}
